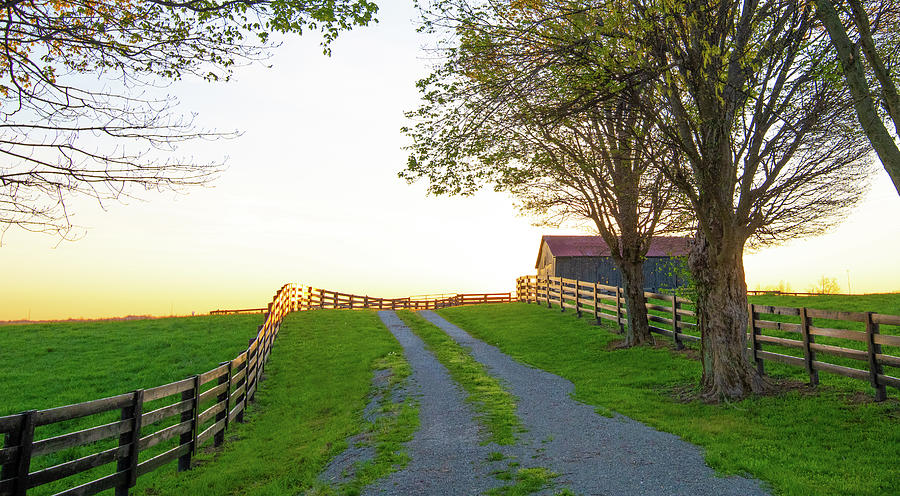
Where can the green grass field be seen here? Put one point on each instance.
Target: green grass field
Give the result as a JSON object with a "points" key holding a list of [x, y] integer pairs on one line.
{"points": [[56, 364], [887, 303], [317, 382], [832, 440], [828, 441]]}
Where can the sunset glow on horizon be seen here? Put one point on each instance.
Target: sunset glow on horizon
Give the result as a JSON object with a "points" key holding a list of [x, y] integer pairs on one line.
{"points": [[311, 196]]}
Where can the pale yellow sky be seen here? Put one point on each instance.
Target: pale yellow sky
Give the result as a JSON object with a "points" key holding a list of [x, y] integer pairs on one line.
{"points": [[311, 196]]}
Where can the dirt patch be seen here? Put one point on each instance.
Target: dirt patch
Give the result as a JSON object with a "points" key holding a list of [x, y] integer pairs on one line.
{"points": [[688, 392], [619, 344], [687, 352], [862, 398], [779, 385]]}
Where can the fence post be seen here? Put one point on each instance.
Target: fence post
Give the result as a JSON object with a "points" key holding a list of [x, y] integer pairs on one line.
{"points": [[678, 344], [251, 381], [184, 461], [619, 309], [578, 298], [874, 367], [562, 307], [754, 331], [132, 412], [242, 398], [596, 303], [808, 353], [20, 465], [549, 305], [219, 438]]}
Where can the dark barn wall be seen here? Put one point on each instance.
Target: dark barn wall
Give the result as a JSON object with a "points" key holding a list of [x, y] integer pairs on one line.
{"points": [[657, 271]]}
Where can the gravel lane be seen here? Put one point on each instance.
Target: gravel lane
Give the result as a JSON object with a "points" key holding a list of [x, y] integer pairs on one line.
{"points": [[594, 455], [446, 454]]}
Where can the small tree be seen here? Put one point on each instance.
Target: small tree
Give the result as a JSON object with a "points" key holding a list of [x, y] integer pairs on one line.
{"points": [[781, 287], [77, 119], [825, 285]]}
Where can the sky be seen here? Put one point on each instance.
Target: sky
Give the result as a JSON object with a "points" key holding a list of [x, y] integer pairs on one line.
{"points": [[311, 196]]}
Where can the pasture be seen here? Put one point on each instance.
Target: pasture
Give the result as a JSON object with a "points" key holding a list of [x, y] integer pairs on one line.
{"points": [[55, 364], [828, 440]]}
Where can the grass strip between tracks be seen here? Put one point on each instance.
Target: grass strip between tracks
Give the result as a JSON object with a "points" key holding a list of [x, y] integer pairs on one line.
{"points": [[495, 407]]}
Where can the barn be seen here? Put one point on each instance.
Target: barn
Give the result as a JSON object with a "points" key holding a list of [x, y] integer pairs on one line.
{"points": [[587, 258]]}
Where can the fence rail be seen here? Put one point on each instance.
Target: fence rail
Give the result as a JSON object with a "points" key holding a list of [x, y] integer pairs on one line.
{"points": [[186, 414], [676, 314]]}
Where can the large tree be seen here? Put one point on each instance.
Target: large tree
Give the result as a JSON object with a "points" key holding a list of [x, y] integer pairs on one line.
{"points": [[597, 167], [872, 54], [76, 97], [748, 92], [772, 148]]}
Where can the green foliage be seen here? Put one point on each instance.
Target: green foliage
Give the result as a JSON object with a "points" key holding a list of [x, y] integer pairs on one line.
{"points": [[494, 405], [843, 433], [162, 38], [676, 269]]}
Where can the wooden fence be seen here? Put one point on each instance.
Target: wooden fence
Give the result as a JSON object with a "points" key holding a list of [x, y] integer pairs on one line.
{"points": [[143, 430], [240, 311], [312, 298], [676, 314]]}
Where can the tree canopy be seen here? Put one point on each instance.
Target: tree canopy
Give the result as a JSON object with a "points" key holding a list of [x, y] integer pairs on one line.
{"points": [[77, 114]]}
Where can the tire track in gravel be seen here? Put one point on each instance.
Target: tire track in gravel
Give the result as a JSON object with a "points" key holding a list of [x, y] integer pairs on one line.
{"points": [[446, 456], [594, 455]]}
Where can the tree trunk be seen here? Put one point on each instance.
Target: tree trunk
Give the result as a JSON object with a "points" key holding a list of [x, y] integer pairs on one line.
{"points": [[722, 317], [638, 330]]}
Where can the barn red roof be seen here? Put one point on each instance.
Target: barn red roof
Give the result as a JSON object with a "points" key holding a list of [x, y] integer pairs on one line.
{"points": [[594, 246]]}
